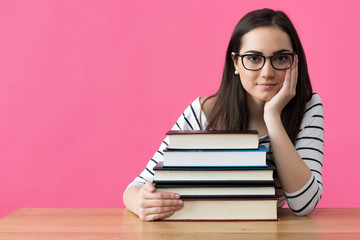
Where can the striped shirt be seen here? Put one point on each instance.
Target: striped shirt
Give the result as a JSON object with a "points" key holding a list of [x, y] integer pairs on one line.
{"points": [[309, 145]]}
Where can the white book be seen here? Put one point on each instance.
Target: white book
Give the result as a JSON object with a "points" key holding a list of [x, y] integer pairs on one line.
{"points": [[213, 139], [226, 209], [216, 157]]}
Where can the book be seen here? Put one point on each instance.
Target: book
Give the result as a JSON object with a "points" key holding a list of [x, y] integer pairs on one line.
{"points": [[216, 157], [209, 191], [213, 139], [213, 174], [227, 209]]}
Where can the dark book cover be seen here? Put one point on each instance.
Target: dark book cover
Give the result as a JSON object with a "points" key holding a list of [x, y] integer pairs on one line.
{"points": [[209, 183]]}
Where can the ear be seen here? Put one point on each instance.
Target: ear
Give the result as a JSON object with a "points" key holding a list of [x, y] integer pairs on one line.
{"points": [[235, 60], [233, 57]]}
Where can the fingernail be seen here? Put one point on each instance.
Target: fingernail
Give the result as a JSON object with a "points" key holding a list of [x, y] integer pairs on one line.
{"points": [[180, 202], [177, 195]]}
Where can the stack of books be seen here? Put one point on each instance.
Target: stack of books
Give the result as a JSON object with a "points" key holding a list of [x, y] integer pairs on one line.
{"points": [[220, 175]]}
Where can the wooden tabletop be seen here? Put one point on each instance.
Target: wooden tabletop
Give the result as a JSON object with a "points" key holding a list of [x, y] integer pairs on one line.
{"points": [[111, 224]]}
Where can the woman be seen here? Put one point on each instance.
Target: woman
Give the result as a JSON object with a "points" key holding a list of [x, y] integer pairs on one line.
{"points": [[266, 87]]}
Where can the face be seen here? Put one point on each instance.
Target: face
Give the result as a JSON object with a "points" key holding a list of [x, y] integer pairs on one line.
{"points": [[263, 84]]}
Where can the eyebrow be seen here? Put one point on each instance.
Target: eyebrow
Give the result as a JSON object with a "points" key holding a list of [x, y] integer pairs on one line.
{"points": [[276, 52]]}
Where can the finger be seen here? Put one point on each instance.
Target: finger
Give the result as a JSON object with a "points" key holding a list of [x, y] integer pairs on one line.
{"points": [[161, 195], [152, 217], [159, 210], [287, 79], [294, 74], [148, 203], [149, 186]]}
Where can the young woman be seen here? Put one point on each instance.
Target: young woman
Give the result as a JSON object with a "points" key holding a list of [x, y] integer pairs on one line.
{"points": [[266, 87]]}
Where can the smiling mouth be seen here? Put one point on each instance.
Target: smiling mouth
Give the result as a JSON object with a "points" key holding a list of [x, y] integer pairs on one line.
{"points": [[267, 85]]}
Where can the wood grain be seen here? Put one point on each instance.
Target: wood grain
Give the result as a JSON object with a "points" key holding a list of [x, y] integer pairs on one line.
{"points": [[43, 223]]}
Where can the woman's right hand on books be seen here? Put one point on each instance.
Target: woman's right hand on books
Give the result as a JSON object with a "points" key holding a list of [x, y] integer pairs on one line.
{"points": [[152, 204]]}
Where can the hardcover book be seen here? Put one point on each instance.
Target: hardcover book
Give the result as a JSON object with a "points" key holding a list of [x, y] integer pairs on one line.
{"points": [[229, 209], [218, 190], [200, 174], [216, 157], [213, 139]]}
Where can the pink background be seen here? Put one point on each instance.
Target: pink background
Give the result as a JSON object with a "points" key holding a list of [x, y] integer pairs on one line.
{"points": [[89, 88]]}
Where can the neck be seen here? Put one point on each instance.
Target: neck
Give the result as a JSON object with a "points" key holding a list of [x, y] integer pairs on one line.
{"points": [[256, 108], [256, 116]]}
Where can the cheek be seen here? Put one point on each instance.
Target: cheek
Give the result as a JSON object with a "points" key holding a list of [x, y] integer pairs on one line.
{"points": [[246, 84], [247, 78], [281, 76]]}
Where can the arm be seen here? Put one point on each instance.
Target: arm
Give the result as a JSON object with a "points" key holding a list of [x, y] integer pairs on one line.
{"points": [[296, 177], [140, 196], [310, 146]]}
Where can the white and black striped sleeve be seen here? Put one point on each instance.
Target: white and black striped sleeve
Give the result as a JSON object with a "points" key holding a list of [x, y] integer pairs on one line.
{"points": [[188, 120], [310, 145]]}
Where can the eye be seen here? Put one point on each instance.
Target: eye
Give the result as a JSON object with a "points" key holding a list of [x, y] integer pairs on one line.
{"points": [[281, 58], [254, 58]]}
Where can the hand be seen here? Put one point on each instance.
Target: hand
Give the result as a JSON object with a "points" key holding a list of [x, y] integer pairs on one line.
{"points": [[152, 204], [275, 105]]}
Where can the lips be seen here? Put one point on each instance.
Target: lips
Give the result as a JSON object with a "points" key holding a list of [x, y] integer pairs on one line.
{"points": [[267, 85]]}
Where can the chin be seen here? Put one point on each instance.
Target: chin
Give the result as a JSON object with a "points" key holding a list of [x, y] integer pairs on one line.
{"points": [[266, 97], [262, 97]]}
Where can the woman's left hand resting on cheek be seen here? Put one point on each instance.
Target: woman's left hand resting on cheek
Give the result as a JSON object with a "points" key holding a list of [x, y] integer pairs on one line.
{"points": [[274, 106]]}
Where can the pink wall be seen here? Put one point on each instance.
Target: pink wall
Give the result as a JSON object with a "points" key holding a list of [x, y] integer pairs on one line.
{"points": [[88, 89]]}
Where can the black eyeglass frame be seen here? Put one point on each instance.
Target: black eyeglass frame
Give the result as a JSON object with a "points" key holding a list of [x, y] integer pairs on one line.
{"points": [[264, 57]]}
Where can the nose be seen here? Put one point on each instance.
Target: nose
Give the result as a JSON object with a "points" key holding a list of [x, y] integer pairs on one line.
{"points": [[268, 71]]}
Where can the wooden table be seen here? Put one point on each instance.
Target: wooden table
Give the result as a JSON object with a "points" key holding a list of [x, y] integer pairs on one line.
{"points": [[111, 224]]}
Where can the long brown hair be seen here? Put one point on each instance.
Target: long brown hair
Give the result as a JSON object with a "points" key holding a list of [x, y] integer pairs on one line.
{"points": [[230, 110]]}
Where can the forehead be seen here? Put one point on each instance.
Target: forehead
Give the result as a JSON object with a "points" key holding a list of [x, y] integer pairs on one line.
{"points": [[266, 40]]}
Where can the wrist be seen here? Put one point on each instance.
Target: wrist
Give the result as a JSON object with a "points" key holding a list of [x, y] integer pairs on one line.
{"points": [[271, 118]]}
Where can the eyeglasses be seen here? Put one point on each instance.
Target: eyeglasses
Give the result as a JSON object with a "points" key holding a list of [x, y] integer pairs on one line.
{"points": [[254, 62]]}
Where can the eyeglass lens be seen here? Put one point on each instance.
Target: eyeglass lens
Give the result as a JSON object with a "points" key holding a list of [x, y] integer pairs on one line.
{"points": [[279, 61]]}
